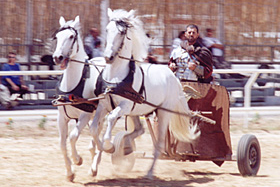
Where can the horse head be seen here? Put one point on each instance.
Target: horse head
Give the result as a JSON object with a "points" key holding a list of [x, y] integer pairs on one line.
{"points": [[66, 39], [117, 30], [125, 29]]}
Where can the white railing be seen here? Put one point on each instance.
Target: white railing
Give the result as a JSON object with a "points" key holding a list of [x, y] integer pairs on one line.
{"points": [[53, 72], [253, 77], [247, 91], [254, 73]]}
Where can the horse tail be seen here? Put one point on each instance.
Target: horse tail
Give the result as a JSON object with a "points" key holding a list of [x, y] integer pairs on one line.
{"points": [[180, 125]]}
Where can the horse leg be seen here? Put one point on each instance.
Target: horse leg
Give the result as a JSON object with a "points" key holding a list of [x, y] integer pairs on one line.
{"points": [[95, 162], [91, 148], [63, 133], [97, 124], [95, 130], [138, 130], [96, 158], [163, 119], [74, 135], [138, 127], [112, 119]]}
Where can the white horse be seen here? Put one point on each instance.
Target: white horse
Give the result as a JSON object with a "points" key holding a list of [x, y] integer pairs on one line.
{"points": [[158, 85], [79, 79]]}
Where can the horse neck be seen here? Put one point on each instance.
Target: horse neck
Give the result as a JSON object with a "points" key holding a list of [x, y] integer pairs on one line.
{"points": [[81, 54], [73, 73]]}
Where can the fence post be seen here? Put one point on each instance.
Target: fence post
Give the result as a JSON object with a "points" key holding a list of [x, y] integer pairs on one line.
{"points": [[29, 31], [247, 99]]}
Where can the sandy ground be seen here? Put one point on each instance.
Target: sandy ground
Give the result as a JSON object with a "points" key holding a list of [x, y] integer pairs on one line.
{"points": [[30, 156]]}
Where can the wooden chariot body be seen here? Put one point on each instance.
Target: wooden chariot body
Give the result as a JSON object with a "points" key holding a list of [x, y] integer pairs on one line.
{"points": [[214, 142]]}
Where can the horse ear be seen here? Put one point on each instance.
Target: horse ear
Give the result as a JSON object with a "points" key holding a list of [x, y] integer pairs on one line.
{"points": [[110, 13], [76, 23], [77, 19], [131, 13], [62, 21]]}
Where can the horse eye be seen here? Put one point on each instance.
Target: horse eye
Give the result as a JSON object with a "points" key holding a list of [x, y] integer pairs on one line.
{"points": [[71, 37], [54, 38]]}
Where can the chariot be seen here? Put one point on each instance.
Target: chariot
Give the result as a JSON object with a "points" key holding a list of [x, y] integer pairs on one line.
{"points": [[214, 143]]}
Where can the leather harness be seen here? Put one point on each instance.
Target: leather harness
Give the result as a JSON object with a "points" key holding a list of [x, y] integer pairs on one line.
{"points": [[77, 91], [123, 88]]}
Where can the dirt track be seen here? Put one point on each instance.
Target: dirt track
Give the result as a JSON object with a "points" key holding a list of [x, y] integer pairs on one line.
{"points": [[30, 156]]}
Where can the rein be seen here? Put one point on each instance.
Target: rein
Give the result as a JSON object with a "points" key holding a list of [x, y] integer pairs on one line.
{"points": [[86, 63], [140, 100], [122, 57]]}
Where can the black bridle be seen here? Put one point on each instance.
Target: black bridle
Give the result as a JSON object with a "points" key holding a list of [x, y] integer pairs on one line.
{"points": [[125, 26], [74, 40]]}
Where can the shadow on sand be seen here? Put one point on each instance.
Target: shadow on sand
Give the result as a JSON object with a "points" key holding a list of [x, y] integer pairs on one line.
{"points": [[147, 182]]}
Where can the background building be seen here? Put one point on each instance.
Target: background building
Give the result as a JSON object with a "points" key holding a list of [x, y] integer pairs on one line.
{"points": [[250, 29]]}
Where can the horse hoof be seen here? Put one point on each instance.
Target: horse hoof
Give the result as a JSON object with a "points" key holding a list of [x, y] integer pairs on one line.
{"points": [[80, 161], [111, 150], [70, 178], [128, 150], [93, 173], [149, 177], [108, 147]]}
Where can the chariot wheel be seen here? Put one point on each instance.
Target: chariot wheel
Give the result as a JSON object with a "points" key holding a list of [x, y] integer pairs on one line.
{"points": [[248, 155], [122, 162]]}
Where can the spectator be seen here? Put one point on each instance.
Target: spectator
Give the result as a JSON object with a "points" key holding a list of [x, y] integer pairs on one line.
{"points": [[5, 98], [177, 41], [191, 61], [216, 47], [14, 83], [97, 52], [90, 41]]}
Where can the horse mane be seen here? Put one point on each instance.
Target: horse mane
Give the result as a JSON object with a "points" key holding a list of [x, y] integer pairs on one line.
{"points": [[138, 36]]}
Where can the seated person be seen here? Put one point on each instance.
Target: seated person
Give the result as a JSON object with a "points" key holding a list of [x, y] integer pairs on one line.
{"points": [[5, 98], [14, 83], [191, 61]]}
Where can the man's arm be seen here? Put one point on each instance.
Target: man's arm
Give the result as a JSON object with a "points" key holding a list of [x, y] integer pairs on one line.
{"points": [[212, 44], [13, 85], [204, 56], [219, 46]]}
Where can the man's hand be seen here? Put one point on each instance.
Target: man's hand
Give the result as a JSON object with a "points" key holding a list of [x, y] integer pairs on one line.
{"points": [[15, 87], [190, 49], [172, 66], [192, 65], [24, 87]]}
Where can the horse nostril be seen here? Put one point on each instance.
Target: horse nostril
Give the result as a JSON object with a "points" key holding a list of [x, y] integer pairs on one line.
{"points": [[111, 58], [60, 58]]}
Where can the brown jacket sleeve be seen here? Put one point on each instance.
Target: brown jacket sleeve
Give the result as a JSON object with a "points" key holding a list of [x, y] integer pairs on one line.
{"points": [[204, 56]]}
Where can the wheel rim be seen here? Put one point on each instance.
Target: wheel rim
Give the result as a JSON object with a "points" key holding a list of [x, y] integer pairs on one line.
{"points": [[253, 156]]}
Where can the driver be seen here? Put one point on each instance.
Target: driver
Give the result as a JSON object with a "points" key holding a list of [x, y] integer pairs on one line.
{"points": [[191, 61]]}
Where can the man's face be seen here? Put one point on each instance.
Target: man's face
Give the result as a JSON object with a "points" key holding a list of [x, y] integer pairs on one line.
{"points": [[191, 35], [11, 58]]}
